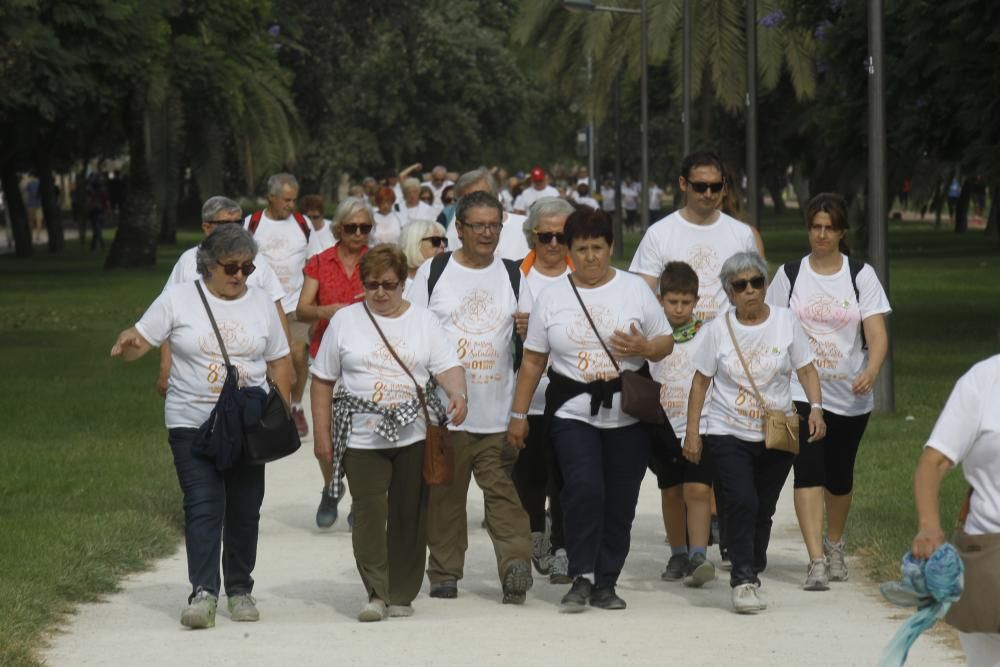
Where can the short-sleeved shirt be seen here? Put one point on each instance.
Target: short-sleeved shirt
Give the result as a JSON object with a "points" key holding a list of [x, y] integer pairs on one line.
{"points": [[285, 247], [559, 327], [773, 350], [968, 432], [335, 286], [831, 315], [263, 278]]}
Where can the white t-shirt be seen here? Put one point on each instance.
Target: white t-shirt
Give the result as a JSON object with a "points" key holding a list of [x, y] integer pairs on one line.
{"points": [[774, 350], [968, 432], [530, 195], [321, 239], [286, 248], [831, 316], [263, 278], [419, 212], [675, 374], [353, 352], [476, 308], [704, 247], [558, 327], [512, 243], [250, 329], [537, 282], [387, 227]]}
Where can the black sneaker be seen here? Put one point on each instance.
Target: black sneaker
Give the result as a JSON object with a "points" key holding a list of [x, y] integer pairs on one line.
{"points": [[516, 582], [326, 515], [576, 600], [447, 589], [606, 598], [677, 568]]}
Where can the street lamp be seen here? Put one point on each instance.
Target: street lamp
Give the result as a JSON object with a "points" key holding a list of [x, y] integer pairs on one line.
{"points": [[643, 13]]}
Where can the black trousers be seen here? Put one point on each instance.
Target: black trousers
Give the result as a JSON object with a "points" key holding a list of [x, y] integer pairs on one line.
{"points": [[537, 478]]}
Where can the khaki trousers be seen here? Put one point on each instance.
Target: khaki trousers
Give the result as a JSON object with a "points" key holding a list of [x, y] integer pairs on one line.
{"points": [[490, 459], [390, 512]]}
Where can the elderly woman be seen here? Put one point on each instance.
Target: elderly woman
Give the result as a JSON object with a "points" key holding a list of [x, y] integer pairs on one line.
{"points": [[602, 452], [535, 474], [221, 509], [379, 425], [332, 281], [842, 308], [750, 476], [420, 241], [388, 222], [968, 432], [412, 207]]}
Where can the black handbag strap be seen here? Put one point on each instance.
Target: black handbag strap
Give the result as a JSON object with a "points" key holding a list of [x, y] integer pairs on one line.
{"points": [[592, 325], [215, 327], [388, 346]]}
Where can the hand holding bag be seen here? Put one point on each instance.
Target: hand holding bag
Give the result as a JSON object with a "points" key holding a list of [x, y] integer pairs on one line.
{"points": [[640, 393], [781, 431], [439, 457]]}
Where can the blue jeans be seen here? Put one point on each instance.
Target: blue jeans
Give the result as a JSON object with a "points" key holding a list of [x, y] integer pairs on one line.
{"points": [[218, 507], [602, 471], [750, 479]]}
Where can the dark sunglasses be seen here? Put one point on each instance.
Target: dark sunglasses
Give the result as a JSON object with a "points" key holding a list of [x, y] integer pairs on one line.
{"points": [[436, 241], [387, 285], [365, 229], [546, 237], [231, 269], [700, 188], [757, 283]]}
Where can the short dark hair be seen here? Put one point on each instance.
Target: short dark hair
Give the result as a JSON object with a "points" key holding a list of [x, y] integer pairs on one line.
{"points": [[678, 277], [588, 223], [382, 258], [477, 199], [834, 206], [701, 159]]}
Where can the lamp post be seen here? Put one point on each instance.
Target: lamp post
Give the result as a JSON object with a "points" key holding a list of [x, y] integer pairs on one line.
{"points": [[643, 14]]}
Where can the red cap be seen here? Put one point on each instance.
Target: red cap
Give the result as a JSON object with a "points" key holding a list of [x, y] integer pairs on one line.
{"points": [[538, 174]]}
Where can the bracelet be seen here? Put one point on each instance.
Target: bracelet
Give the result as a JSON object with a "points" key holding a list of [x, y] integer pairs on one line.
{"points": [[816, 405], [518, 415]]}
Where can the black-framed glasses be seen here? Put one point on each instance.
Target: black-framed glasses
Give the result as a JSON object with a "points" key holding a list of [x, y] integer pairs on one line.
{"points": [[480, 227], [387, 285], [700, 187], [230, 269], [364, 229], [436, 241], [757, 282], [546, 237]]}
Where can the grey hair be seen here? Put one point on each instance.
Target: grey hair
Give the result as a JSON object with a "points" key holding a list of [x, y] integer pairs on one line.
{"points": [[410, 183], [278, 181], [225, 241], [470, 178], [545, 207], [477, 200], [215, 205], [411, 237], [345, 209], [739, 263]]}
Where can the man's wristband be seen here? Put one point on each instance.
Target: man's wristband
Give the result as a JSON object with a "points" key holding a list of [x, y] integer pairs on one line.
{"points": [[518, 415]]}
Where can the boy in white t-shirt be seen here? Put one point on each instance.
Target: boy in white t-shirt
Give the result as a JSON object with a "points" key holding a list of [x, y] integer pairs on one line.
{"points": [[685, 487]]}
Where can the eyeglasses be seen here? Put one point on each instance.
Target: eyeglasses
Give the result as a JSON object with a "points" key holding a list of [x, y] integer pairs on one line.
{"points": [[363, 229], [480, 227], [436, 241], [700, 188], [757, 282], [231, 269], [226, 222], [387, 285], [546, 237]]}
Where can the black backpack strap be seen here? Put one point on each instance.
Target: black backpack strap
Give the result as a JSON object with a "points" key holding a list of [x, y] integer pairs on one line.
{"points": [[437, 268], [514, 274], [791, 270]]}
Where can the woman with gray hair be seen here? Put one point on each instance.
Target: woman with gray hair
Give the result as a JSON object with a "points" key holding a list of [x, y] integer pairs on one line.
{"points": [[749, 353], [221, 508], [420, 241]]}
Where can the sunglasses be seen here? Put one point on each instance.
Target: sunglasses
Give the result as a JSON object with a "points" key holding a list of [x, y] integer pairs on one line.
{"points": [[387, 285], [546, 237], [480, 227], [232, 268], [757, 283], [363, 229], [436, 241], [700, 188]]}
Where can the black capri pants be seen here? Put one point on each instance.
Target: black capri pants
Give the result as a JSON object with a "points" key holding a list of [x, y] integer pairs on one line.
{"points": [[829, 462]]}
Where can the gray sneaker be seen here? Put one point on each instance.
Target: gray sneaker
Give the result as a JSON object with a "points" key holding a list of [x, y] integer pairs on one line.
{"points": [[243, 608], [816, 576], [516, 582], [326, 515], [834, 552], [200, 612], [746, 600], [559, 570], [677, 568], [700, 571], [540, 556]]}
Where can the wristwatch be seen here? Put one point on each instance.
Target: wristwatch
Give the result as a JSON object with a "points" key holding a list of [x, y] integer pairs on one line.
{"points": [[518, 415]]}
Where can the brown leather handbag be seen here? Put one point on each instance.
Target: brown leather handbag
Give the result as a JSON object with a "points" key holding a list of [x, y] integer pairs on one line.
{"points": [[439, 457]]}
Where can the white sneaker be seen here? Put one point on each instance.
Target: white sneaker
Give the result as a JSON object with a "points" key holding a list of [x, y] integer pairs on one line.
{"points": [[746, 600], [816, 576]]}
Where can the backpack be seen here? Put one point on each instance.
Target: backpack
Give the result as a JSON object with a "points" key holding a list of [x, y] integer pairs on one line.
{"points": [[513, 274], [791, 270], [299, 218]]}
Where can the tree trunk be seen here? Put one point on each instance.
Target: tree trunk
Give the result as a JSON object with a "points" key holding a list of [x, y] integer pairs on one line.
{"points": [[50, 203], [138, 224], [962, 209], [17, 212], [993, 221]]}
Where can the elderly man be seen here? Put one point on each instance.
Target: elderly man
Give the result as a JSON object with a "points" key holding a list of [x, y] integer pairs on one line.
{"points": [[512, 244], [481, 301], [439, 181], [539, 188]]}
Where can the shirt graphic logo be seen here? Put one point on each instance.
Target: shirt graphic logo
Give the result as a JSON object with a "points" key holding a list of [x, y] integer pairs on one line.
{"points": [[479, 313]]}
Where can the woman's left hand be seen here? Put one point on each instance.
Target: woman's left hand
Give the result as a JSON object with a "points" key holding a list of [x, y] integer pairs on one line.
{"points": [[864, 382], [632, 344], [817, 427], [458, 408]]}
